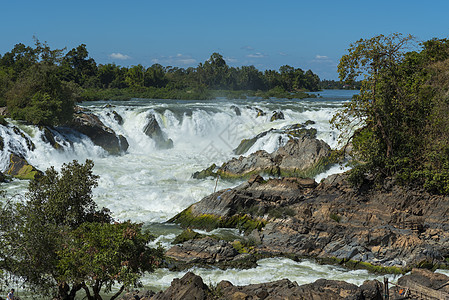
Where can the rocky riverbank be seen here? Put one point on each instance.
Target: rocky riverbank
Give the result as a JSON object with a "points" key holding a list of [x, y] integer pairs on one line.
{"points": [[191, 286], [388, 229]]}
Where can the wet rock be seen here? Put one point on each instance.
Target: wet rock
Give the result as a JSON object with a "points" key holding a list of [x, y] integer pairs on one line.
{"points": [[101, 135], [29, 142], [303, 157], [49, 137], [236, 110], [277, 115], [116, 117], [204, 251], [20, 168], [154, 131], [292, 131], [260, 113], [189, 287]]}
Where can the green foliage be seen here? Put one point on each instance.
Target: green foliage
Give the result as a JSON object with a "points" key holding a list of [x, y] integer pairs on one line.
{"points": [[187, 235], [57, 242], [396, 124], [40, 97], [102, 254], [242, 222]]}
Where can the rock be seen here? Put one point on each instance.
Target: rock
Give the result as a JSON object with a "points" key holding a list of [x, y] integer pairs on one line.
{"points": [[101, 135], [303, 157], [285, 289], [189, 287], [4, 111], [209, 172], [49, 137], [19, 168], [376, 229], [426, 278], [203, 251], [154, 131], [260, 113], [372, 289], [117, 117], [28, 141], [236, 110], [292, 131], [277, 115]]}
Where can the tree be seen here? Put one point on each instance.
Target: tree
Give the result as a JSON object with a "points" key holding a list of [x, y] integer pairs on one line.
{"points": [[394, 123], [77, 67], [102, 254], [57, 242], [376, 110], [40, 97]]}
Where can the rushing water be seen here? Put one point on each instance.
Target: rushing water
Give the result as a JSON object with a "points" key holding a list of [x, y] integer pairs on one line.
{"points": [[150, 185]]}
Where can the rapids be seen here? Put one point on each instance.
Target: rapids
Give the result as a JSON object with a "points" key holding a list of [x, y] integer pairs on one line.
{"points": [[150, 185]]}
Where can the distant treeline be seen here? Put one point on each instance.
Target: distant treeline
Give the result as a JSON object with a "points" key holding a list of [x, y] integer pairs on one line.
{"points": [[97, 81]]}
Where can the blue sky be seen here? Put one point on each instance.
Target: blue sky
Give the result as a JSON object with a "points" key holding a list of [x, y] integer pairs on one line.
{"points": [[267, 34]]}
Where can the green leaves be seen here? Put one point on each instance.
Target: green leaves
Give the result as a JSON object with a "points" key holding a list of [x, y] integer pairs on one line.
{"points": [[394, 122], [58, 242]]}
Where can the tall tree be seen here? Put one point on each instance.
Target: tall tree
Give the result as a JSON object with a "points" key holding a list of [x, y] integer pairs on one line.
{"points": [[58, 242]]}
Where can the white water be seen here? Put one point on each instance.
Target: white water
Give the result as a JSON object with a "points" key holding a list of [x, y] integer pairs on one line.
{"points": [[149, 185]]}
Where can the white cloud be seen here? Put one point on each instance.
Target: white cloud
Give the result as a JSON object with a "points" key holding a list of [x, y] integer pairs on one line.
{"points": [[119, 56], [323, 57], [256, 55], [248, 48], [283, 54], [178, 59], [231, 59]]}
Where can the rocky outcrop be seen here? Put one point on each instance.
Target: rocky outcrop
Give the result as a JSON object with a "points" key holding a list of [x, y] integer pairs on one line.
{"points": [[191, 286], [20, 168], [4, 111], [117, 117], [236, 110], [101, 135], [49, 137], [301, 157], [154, 131], [277, 115], [208, 251], [387, 229]]}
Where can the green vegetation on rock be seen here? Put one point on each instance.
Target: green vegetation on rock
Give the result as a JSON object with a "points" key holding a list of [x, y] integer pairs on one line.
{"points": [[242, 222]]}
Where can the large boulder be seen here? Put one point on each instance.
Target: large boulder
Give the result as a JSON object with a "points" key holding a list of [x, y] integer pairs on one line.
{"points": [[49, 137], [292, 131], [189, 287], [277, 115], [300, 157], [20, 168], [154, 131], [101, 135]]}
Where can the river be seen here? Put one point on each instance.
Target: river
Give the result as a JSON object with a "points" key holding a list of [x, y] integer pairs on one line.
{"points": [[150, 185]]}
